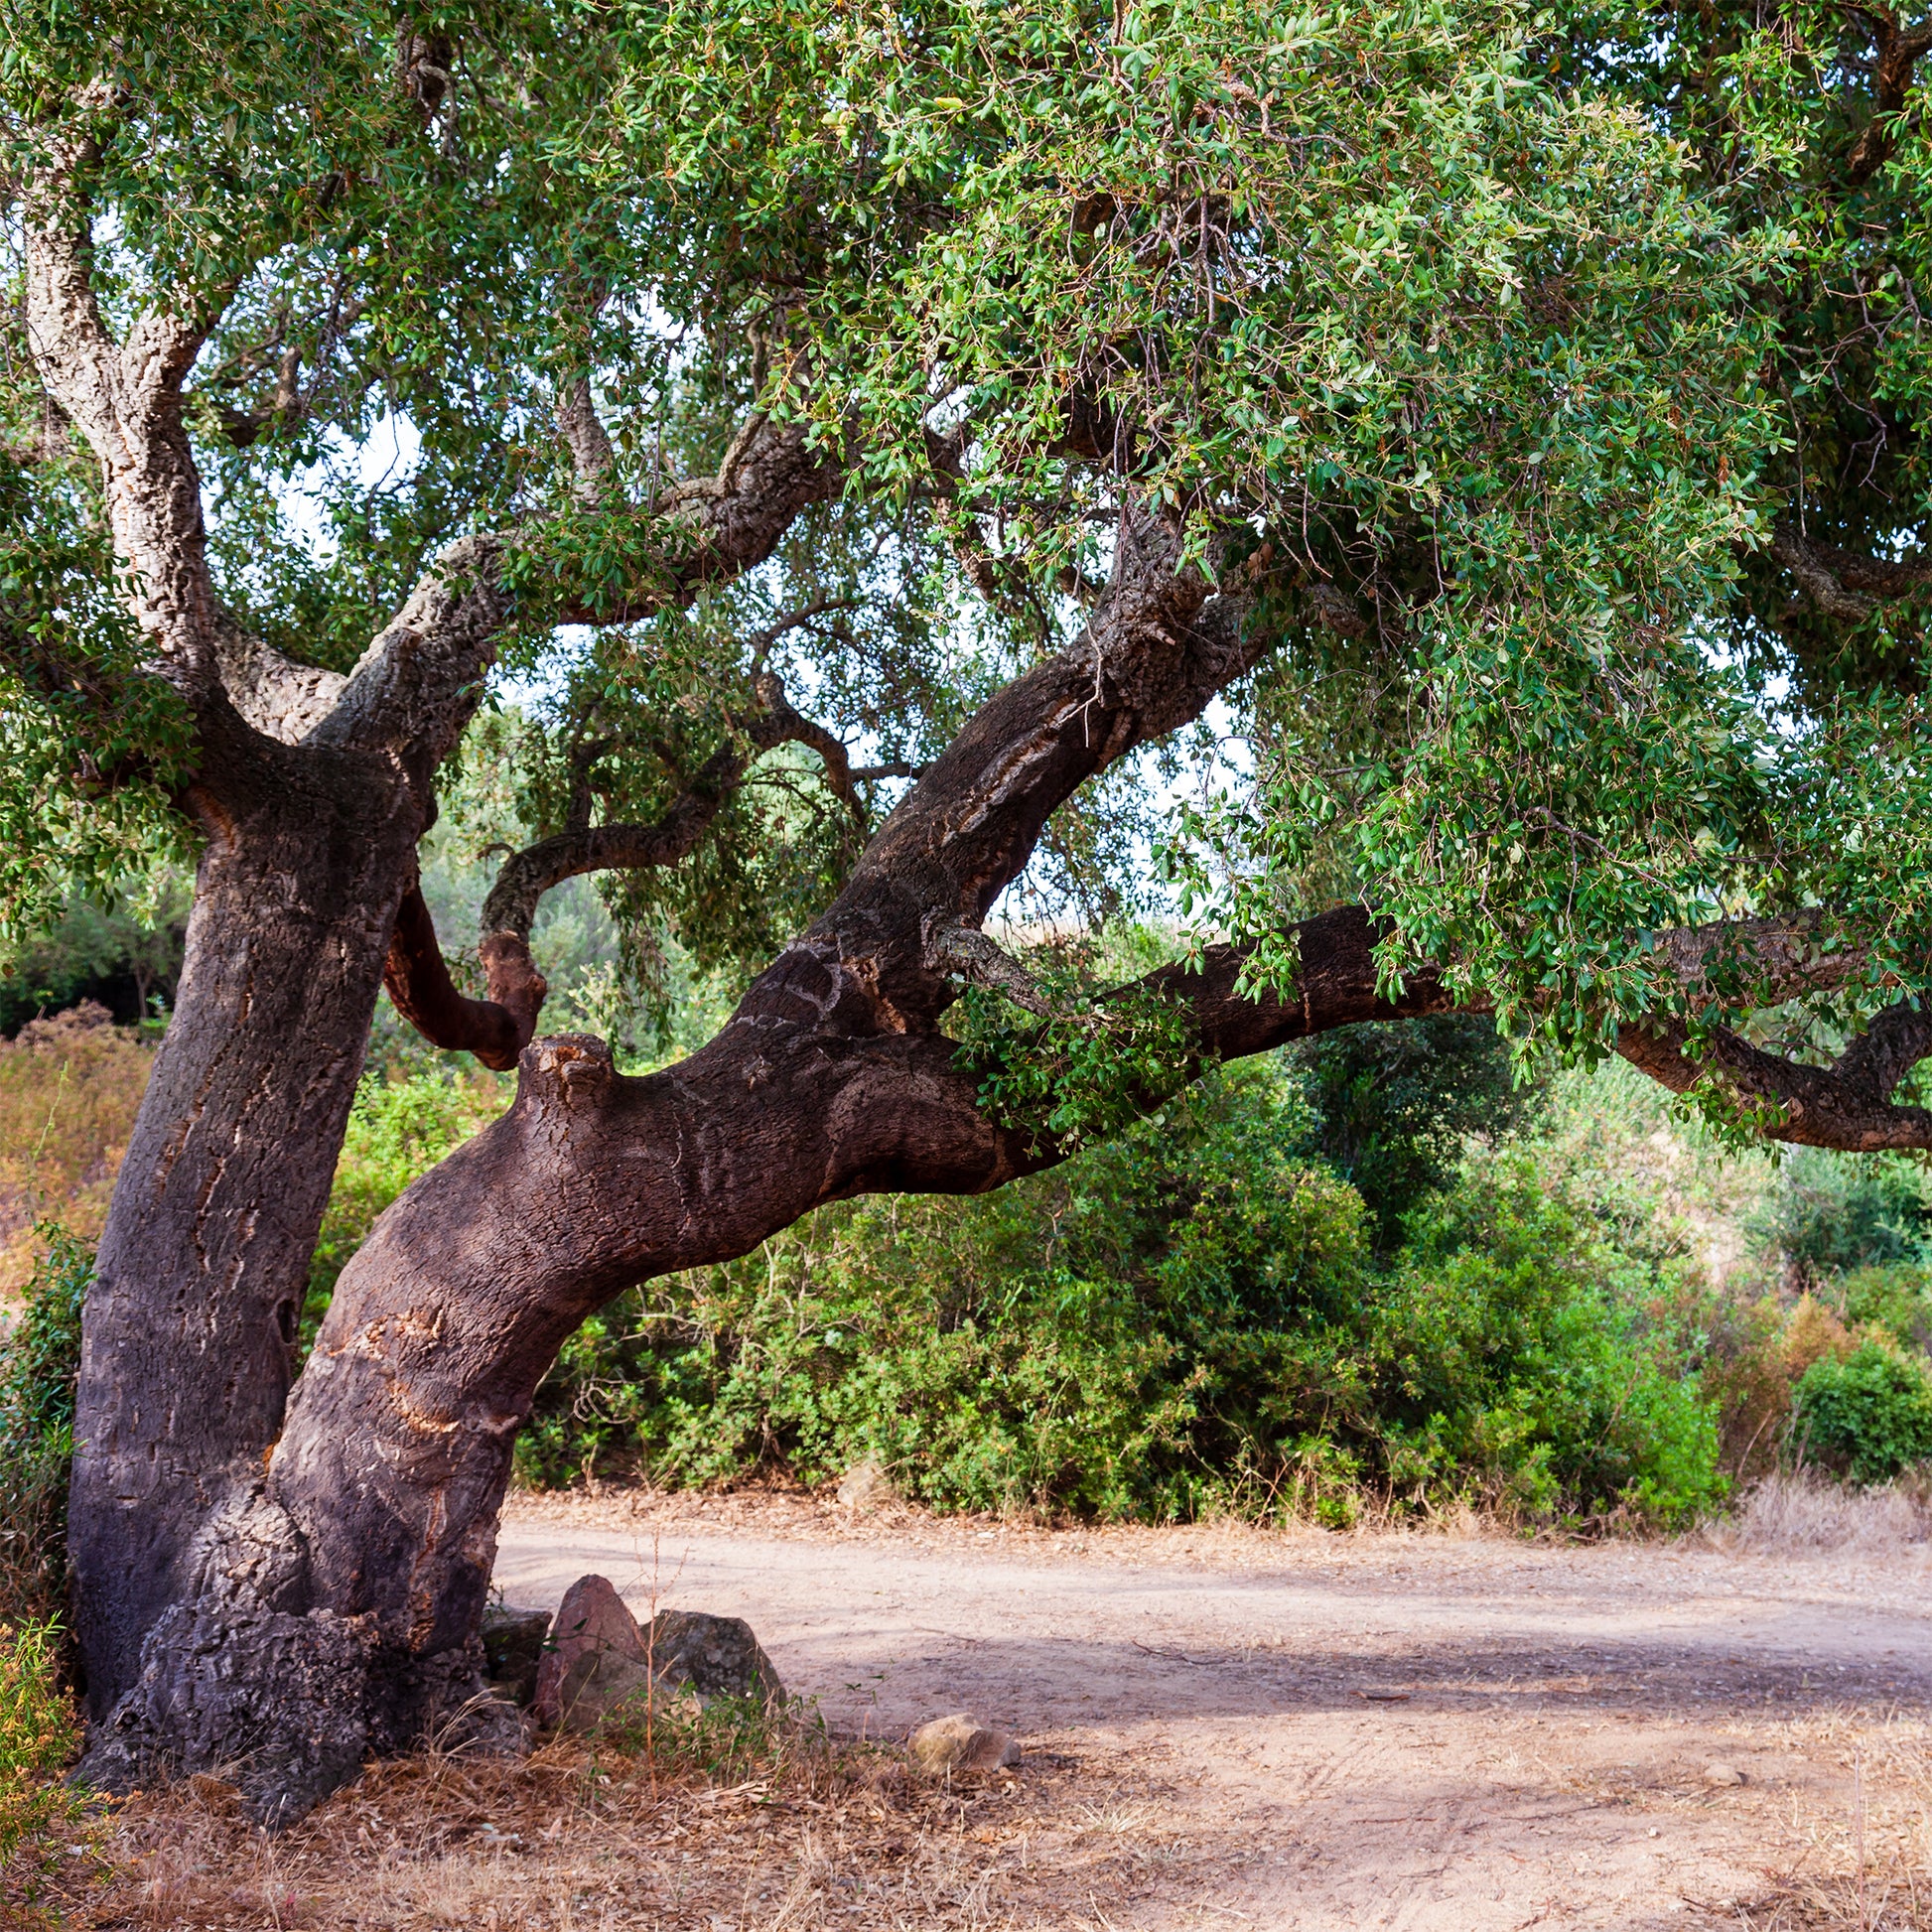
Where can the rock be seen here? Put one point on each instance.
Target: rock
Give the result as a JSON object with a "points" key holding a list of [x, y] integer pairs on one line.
{"points": [[717, 1656], [512, 1642], [596, 1658], [591, 1619], [866, 1485], [602, 1688], [1721, 1774], [961, 1744]]}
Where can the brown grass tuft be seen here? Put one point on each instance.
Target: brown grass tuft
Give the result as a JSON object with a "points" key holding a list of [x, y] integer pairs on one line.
{"points": [[1790, 1514], [1867, 1865]]}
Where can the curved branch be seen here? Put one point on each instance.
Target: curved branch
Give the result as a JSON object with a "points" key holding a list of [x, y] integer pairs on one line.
{"points": [[497, 1028], [591, 453], [723, 525], [1846, 1105], [417, 977]]}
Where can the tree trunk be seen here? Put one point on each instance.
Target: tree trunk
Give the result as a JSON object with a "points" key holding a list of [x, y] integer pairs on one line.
{"points": [[329, 1607], [191, 1325]]}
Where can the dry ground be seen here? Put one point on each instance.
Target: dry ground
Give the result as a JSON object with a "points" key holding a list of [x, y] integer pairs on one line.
{"points": [[1222, 1727]]}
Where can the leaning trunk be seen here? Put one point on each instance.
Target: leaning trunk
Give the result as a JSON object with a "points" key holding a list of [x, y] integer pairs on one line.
{"points": [[191, 1327]]}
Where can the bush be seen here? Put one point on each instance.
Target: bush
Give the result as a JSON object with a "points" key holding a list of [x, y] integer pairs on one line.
{"points": [[1189, 1316], [1839, 1212], [38, 1360], [39, 1736], [1526, 1355], [1869, 1415], [1392, 1104], [1896, 1298]]}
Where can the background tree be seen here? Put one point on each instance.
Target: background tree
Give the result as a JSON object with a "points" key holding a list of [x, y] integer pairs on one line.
{"points": [[875, 436]]}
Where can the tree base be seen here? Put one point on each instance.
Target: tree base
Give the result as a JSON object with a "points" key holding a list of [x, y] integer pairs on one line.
{"points": [[286, 1705]]}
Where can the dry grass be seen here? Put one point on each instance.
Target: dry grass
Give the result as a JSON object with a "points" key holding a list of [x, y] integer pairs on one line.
{"points": [[1866, 1865], [573, 1839], [69, 1087], [1790, 1514]]}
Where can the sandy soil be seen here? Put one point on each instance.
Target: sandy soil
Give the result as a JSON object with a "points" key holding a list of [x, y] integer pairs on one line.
{"points": [[1320, 1731]]}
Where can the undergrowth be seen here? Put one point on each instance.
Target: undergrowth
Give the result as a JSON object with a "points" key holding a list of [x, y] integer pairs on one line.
{"points": [[38, 1359], [38, 1736], [1190, 1318]]}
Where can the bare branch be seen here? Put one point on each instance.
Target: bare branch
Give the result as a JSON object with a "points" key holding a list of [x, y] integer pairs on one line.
{"points": [[125, 398], [1846, 1105], [1844, 584], [591, 453]]}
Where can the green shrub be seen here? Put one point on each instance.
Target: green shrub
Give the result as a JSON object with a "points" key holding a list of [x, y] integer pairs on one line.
{"points": [[39, 1736], [1392, 1104], [1896, 1298], [1524, 1353], [1869, 1415], [38, 1360], [1839, 1212], [1189, 1316]]}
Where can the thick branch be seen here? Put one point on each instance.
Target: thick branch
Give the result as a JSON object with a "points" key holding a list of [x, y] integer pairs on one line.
{"points": [[1898, 54], [718, 527], [1845, 583], [1846, 1105], [125, 398], [591, 453]]}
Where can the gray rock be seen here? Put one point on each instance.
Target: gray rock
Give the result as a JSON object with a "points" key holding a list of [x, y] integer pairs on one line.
{"points": [[596, 1658], [602, 1689], [717, 1656], [961, 1744], [866, 1485], [512, 1642]]}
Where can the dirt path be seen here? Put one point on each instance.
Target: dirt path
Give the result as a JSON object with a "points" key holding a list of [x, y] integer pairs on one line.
{"points": [[1327, 1733]]}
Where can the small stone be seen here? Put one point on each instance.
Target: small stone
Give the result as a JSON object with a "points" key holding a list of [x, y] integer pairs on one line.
{"points": [[592, 1619], [961, 1744], [717, 1656], [866, 1485], [1719, 1774], [512, 1642]]}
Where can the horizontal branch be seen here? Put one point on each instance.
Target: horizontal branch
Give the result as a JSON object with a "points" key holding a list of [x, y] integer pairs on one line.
{"points": [[1846, 584], [1846, 1105]]}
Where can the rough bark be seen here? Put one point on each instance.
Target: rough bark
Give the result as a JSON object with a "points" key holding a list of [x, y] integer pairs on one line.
{"points": [[191, 1322], [313, 788]]}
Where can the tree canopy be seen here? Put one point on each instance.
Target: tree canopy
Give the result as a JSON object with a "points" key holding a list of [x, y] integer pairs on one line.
{"points": [[1547, 384]]}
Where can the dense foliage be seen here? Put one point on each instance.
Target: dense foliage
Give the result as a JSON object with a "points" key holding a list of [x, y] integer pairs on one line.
{"points": [[1868, 1414], [1190, 1318], [1486, 349]]}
